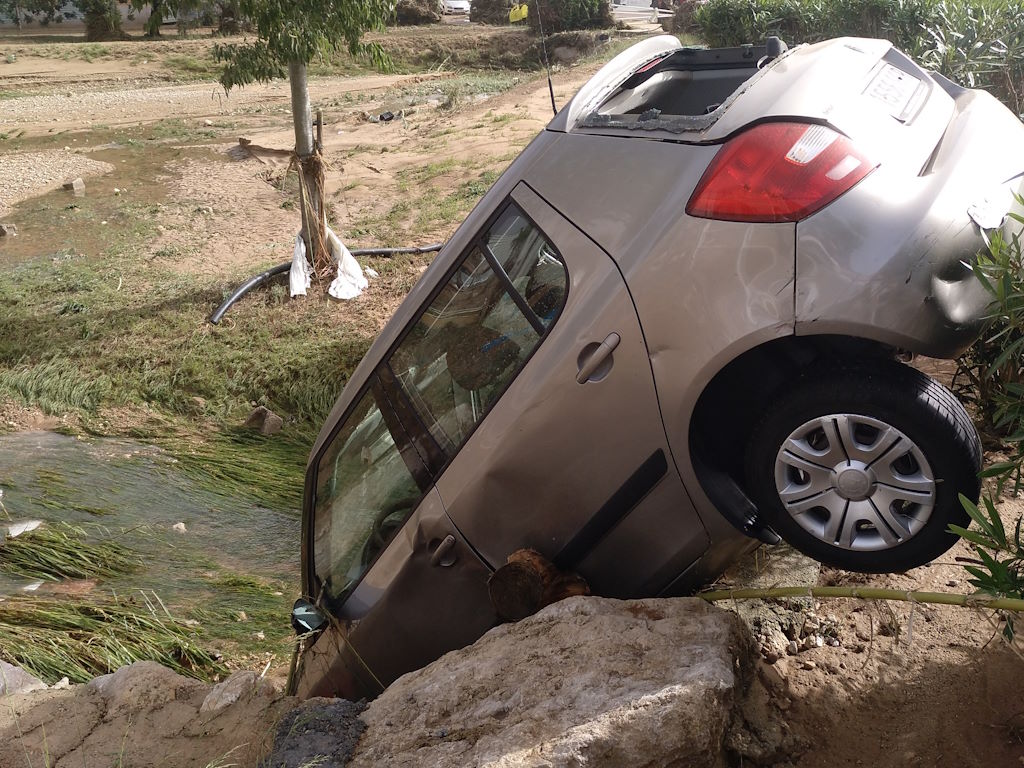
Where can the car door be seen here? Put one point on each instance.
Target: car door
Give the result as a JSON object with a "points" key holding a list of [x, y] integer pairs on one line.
{"points": [[381, 555], [573, 459]]}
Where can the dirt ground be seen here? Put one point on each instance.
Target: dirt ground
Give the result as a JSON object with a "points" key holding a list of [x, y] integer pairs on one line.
{"points": [[905, 686]]}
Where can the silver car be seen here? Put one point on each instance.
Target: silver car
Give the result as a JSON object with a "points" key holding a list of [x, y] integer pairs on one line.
{"points": [[670, 331]]}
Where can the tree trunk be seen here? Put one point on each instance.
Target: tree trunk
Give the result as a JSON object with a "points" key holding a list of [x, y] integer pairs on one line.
{"points": [[102, 20], [310, 172], [156, 18], [527, 583]]}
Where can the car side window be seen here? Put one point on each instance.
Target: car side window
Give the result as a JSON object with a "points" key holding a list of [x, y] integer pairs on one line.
{"points": [[480, 328], [365, 488]]}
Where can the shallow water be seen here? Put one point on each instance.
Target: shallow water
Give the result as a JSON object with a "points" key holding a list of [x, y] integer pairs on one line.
{"points": [[137, 495]]}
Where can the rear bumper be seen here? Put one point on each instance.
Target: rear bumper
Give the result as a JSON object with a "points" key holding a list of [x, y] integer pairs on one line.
{"points": [[891, 260]]}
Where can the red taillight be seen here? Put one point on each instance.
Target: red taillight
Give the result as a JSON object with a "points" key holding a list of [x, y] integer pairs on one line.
{"points": [[778, 172]]}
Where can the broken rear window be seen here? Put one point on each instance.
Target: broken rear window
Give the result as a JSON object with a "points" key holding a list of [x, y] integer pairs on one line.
{"points": [[682, 91]]}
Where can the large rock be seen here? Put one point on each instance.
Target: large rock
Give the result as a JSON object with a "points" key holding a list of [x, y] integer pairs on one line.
{"points": [[144, 716], [587, 681]]}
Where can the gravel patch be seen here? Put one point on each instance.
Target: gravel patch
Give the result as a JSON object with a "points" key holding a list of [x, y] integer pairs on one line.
{"points": [[27, 174], [109, 105]]}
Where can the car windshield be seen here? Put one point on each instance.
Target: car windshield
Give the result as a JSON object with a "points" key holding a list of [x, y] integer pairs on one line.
{"points": [[364, 491]]}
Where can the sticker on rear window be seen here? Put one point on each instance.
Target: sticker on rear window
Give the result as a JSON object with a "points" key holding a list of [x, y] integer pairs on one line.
{"points": [[895, 89]]}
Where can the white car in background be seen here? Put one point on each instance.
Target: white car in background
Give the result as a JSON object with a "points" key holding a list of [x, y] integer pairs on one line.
{"points": [[454, 6]]}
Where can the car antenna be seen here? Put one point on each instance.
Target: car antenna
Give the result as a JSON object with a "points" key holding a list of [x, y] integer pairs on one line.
{"points": [[547, 64]]}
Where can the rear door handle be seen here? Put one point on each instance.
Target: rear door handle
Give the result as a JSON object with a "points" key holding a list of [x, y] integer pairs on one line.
{"points": [[444, 555], [595, 360]]}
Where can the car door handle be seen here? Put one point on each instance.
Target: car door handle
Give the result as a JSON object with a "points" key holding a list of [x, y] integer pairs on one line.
{"points": [[444, 555], [595, 361]]}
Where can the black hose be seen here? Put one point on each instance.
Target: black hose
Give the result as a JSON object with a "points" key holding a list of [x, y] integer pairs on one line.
{"points": [[280, 269], [393, 251]]}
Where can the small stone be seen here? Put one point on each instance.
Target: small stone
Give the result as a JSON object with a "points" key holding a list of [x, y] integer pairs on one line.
{"points": [[117, 191], [207, 123], [832, 642], [793, 649], [62, 683], [179, 527], [951, 583], [16, 680], [8, 230], [260, 636], [241, 616], [77, 186], [808, 665], [265, 420]]}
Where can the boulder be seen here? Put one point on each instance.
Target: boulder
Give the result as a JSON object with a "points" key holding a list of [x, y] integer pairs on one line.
{"points": [[265, 420], [16, 680], [142, 685], [586, 681], [144, 716], [75, 185], [239, 685]]}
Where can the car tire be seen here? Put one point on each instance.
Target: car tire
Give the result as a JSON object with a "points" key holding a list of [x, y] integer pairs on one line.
{"points": [[861, 467]]}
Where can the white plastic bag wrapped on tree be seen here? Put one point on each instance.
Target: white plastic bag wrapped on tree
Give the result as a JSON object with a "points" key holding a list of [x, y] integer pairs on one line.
{"points": [[350, 281], [301, 271]]}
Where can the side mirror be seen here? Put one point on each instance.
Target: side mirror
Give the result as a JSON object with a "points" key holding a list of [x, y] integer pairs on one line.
{"points": [[306, 617]]}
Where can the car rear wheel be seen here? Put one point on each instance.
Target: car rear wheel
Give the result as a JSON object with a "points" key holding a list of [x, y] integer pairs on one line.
{"points": [[861, 468]]}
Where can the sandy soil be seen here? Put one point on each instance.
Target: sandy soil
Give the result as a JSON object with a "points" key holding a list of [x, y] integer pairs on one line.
{"points": [[906, 686]]}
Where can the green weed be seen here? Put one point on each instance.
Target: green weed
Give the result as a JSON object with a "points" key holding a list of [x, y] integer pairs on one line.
{"points": [[63, 637]]}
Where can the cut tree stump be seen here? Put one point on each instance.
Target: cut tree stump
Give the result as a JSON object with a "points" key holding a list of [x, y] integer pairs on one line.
{"points": [[529, 581]]}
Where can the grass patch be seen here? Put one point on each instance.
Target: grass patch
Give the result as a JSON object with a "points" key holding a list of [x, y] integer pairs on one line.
{"points": [[243, 462], [56, 386], [60, 637], [57, 551], [189, 67]]}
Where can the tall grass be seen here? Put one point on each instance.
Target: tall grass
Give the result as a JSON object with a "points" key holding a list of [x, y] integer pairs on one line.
{"points": [[54, 638], [57, 551]]}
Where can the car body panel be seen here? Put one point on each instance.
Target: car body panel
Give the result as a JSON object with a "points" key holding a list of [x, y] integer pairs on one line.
{"points": [[893, 262], [407, 610], [705, 291]]}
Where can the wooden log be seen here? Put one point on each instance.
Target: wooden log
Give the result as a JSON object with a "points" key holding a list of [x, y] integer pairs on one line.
{"points": [[529, 581]]}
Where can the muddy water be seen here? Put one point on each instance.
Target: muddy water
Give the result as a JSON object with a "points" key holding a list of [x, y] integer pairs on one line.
{"points": [[57, 222], [135, 493]]}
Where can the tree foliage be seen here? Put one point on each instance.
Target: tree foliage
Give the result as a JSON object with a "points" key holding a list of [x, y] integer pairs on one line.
{"points": [[41, 11], [102, 19], [300, 31]]}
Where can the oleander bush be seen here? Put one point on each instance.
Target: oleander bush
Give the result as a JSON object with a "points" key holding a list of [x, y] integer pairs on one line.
{"points": [[977, 43]]}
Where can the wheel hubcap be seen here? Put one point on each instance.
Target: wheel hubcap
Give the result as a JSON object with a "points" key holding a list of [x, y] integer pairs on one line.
{"points": [[855, 482]]}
